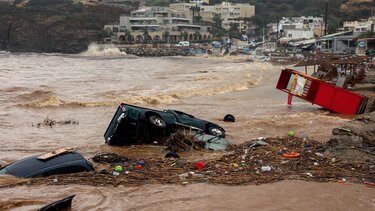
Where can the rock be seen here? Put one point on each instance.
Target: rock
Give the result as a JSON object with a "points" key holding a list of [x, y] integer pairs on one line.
{"points": [[356, 143], [156, 52]]}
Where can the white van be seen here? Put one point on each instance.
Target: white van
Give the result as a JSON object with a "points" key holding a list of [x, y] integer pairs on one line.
{"points": [[183, 44]]}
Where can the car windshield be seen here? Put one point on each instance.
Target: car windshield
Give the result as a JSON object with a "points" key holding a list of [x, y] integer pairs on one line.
{"points": [[4, 171]]}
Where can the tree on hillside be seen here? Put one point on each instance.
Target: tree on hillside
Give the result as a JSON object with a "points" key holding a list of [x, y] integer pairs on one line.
{"points": [[217, 30], [185, 35], [196, 16], [234, 30], [166, 36]]}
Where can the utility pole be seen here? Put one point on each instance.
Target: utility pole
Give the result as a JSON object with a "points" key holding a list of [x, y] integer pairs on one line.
{"points": [[325, 19], [277, 30]]}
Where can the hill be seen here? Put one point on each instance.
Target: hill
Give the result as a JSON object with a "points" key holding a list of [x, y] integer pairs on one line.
{"points": [[53, 26]]}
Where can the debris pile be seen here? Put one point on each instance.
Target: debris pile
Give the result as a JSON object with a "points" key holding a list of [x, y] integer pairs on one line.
{"points": [[259, 161], [51, 122], [109, 158], [183, 140]]}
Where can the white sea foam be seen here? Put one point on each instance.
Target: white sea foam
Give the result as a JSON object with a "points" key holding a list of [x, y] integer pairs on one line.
{"points": [[103, 50]]}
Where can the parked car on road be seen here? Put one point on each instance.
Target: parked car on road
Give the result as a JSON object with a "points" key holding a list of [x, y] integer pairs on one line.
{"points": [[65, 163], [183, 44], [135, 125]]}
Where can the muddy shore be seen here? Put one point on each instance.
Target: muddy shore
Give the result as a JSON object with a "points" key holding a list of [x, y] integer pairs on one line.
{"points": [[260, 111]]}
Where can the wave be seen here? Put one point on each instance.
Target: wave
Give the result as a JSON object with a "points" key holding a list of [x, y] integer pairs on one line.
{"points": [[4, 52], [54, 101], [106, 50], [38, 94], [13, 89]]}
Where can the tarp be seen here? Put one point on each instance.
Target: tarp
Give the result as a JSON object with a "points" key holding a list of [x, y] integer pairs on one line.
{"points": [[212, 142]]}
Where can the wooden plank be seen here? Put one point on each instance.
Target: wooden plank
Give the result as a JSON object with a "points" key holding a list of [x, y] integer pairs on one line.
{"points": [[55, 153]]}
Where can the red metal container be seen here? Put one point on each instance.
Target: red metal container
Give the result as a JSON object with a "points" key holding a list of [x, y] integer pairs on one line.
{"points": [[318, 92]]}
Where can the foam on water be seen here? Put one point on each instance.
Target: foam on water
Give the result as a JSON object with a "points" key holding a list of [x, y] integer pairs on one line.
{"points": [[109, 50], [167, 98]]}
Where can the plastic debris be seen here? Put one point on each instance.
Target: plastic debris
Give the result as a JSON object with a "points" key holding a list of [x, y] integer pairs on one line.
{"points": [[369, 184], [257, 143], [118, 168], [200, 165], [229, 118], [309, 174], [266, 168], [183, 175], [172, 155], [292, 155], [344, 129], [291, 134], [343, 180], [319, 154], [142, 163]]}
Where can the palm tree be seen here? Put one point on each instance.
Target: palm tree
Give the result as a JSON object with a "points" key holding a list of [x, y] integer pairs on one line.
{"points": [[166, 36], [195, 9]]}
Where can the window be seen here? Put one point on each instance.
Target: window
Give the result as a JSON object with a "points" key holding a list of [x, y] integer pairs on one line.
{"points": [[64, 170]]}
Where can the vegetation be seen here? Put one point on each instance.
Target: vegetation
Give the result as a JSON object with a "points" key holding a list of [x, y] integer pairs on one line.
{"points": [[234, 31], [217, 30], [268, 11], [367, 34]]}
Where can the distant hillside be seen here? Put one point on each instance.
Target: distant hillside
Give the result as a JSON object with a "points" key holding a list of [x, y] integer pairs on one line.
{"points": [[53, 25], [338, 10]]}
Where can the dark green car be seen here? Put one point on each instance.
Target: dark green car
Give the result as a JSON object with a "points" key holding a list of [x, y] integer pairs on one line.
{"points": [[136, 125]]}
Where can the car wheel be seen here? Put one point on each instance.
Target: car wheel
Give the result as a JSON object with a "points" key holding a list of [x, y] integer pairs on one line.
{"points": [[216, 131], [157, 122]]}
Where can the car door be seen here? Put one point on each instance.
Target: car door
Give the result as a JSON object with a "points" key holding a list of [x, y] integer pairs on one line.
{"points": [[188, 119]]}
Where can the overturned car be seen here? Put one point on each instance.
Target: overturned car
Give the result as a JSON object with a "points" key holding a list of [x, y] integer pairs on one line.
{"points": [[57, 162], [137, 125]]}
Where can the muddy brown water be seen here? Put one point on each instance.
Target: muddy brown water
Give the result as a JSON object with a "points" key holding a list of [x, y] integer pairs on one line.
{"points": [[88, 87]]}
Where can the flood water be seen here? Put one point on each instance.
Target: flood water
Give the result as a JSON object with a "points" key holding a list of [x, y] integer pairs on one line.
{"points": [[88, 88]]}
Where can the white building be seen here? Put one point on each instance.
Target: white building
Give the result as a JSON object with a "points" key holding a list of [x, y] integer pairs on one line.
{"points": [[299, 27], [160, 23], [298, 33], [361, 26], [199, 2]]}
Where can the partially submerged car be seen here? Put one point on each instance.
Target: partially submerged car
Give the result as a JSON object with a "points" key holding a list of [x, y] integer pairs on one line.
{"points": [[37, 166], [135, 125]]}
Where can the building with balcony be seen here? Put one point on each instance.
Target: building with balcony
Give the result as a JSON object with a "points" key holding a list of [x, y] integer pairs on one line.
{"points": [[361, 26], [300, 27], [155, 24], [229, 13]]}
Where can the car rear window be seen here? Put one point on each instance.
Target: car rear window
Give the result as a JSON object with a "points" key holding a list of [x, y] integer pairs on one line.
{"points": [[62, 170], [4, 171]]}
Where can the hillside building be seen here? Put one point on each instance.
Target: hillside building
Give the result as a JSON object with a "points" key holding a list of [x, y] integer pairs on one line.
{"points": [[154, 24], [229, 13], [361, 26], [297, 28]]}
